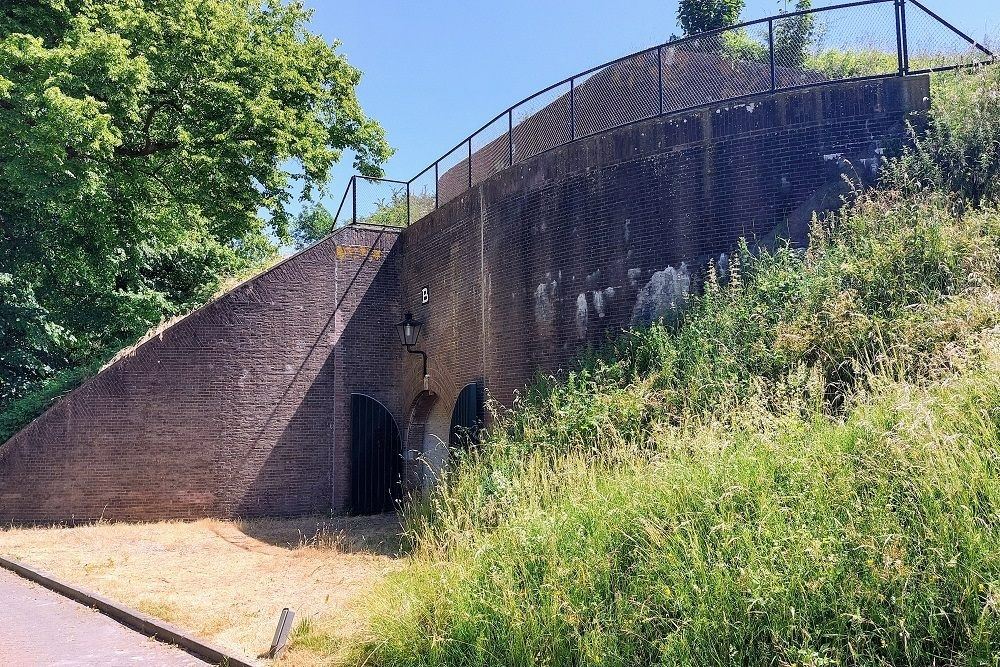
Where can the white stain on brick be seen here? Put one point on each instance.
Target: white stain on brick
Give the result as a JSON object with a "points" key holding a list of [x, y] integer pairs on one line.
{"points": [[581, 315], [545, 300], [663, 295], [598, 298], [633, 276]]}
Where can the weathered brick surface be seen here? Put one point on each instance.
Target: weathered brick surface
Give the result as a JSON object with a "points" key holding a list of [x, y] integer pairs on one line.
{"points": [[243, 407], [230, 412], [550, 256]]}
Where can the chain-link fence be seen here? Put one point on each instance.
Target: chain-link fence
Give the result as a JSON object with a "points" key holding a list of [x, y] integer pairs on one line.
{"points": [[856, 40]]}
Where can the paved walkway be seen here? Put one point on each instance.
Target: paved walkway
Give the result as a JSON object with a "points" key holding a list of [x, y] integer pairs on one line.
{"points": [[39, 627]]}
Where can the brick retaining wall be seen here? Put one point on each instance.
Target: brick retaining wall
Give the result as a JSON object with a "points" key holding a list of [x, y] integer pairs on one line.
{"points": [[242, 409]]}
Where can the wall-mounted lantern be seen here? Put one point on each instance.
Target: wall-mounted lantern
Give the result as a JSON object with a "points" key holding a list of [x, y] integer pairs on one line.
{"points": [[409, 332]]}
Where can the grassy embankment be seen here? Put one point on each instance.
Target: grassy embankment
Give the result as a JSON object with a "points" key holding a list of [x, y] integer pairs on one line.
{"points": [[804, 469]]}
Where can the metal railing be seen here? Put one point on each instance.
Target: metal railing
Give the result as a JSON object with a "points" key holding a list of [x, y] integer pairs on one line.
{"points": [[868, 39]]}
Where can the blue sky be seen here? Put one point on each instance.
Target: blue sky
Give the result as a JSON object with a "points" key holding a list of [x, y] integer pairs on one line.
{"points": [[434, 71]]}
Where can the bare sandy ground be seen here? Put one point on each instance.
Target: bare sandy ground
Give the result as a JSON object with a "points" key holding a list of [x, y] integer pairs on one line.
{"points": [[225, 581]]}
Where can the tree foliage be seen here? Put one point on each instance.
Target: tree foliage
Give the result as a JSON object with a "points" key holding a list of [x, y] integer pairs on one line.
{"points": [[697, 16], [313, 223], [793, 36], [146, 153]]}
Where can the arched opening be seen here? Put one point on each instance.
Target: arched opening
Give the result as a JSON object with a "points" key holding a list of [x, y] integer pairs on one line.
{"points": [[376, 457], [467, 417], [416, 466]]}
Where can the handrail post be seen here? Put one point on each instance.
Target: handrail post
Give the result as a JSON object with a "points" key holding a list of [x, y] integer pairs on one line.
{"points": [[659, 67], [354, 200], [903, 40], [470, 162], [572, 109], [408, 204], [899, 39], [437, 202], [770, 48], [510, 137]]}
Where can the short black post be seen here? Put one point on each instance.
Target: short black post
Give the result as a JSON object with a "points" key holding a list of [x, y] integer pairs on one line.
{"points": [[770, 48], [280, 640], [903, 39], [354, 199], [470, 162], [436, 198], [899, 39], [659, 67]]}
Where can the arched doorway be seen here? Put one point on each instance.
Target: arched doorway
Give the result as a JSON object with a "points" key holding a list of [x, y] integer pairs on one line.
{"points": [[418, 431], [376, 457], [467, 417]]}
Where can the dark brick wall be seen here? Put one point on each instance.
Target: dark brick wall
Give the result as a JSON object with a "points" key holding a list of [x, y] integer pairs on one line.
{"points": [[242, 408], [555, 254], [236, 410]]}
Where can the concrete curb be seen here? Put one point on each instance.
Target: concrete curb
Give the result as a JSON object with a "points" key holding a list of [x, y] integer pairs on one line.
{"points": [[136, 620]]}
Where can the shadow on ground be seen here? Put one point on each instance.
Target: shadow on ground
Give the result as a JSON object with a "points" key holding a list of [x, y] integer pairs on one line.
{"points": [[380, 534]]}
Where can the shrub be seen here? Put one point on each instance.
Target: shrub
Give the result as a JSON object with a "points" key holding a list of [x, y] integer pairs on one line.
{"points": [[960, 150], [793, 36], [836, 64], [697, 16]]}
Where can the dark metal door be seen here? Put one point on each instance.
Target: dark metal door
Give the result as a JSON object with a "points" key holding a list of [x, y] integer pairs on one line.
{"points": [[376, 457], [467, 417]]}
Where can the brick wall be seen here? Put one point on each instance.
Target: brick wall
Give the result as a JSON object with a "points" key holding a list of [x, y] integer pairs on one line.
{"points": [[236, 410], [555, 254], [242, 408]]}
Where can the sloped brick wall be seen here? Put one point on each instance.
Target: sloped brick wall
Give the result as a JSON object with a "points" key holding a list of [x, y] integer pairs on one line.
{"points": [[233, 411]]}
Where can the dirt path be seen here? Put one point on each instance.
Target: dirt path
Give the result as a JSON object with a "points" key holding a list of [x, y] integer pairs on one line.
{"points": [[223, 581], [44, 628]]}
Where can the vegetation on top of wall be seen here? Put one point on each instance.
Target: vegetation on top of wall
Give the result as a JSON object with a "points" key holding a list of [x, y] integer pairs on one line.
{"points": [[698, 16], [315, 222], [803, 469]]}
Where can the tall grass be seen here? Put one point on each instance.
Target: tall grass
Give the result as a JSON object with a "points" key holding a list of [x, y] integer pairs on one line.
{"points": [[803, 470], [868, 541]]}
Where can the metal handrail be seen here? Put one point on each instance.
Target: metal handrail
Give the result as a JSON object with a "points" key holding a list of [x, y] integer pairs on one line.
{"points": [[903, 69]]}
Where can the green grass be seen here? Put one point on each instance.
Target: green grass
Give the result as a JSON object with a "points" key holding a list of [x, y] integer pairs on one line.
{"points": [[871, 541], [802, 469]]}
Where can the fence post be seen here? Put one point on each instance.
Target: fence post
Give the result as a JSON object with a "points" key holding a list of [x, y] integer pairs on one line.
{"points": [[510, 137], [899, 39], [470, 162], [354, 200], [408, 204], [659, 66], [904, 40], [436, 199], [572, 109], [770, 48]]}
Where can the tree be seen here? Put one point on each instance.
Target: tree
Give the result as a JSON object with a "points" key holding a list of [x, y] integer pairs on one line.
{"points": [[312, 224], [315, 222], [697, 16], [146, 152], [793, 36]]}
